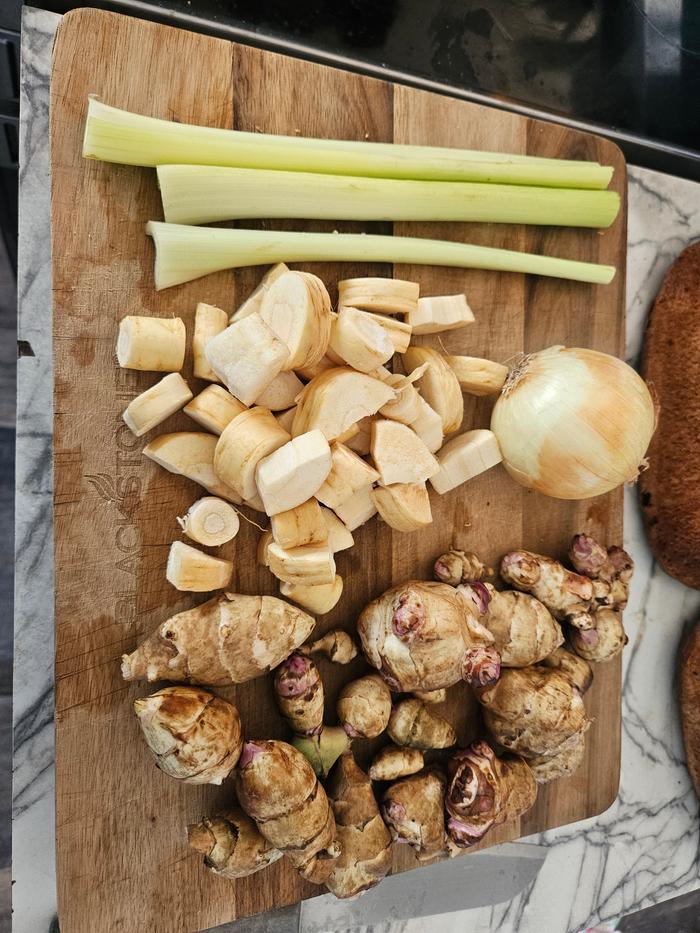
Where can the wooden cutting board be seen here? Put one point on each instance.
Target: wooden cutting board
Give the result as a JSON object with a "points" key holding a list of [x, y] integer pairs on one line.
{"points": [[123, 863]]}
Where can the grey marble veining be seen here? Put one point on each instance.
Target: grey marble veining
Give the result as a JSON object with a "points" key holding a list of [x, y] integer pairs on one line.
{"points": [[644, 849]]}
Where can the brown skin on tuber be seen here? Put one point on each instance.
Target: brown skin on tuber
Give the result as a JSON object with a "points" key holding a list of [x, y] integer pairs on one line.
{"points": [[414, 811], [533, 711], [337, 646], [299, 694], [524, 630], [431, 697], [365, 841], [426, 636], [277, 787], [603, 642], [413, 725], [393, 762], [323, 750], [231, 844], [194, 735], [228, 640], [569, 596], [548, 768], [484, 791], [574, 668], [455, 567], [364, 707], [612, 567]]}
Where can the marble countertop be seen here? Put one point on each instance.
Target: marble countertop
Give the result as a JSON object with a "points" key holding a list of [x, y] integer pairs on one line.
{"points": [[644, 849]]}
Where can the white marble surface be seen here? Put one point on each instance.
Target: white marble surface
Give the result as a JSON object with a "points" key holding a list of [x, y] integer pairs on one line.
{"points": [[644, 849]]}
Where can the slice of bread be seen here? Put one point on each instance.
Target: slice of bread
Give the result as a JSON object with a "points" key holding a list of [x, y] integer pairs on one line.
{"points": [[689, 695], [670, 488]]}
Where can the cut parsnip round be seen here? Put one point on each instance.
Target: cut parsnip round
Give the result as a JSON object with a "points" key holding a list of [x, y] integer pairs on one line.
{"points": [[191, 454], [477, 376], [246, 357], [347, 475], [300, 526], [406, 406], [264, 541], [151, 344], [438, 385], [296, 309], [399, 454], [285, 419], [208, 322], [403, 506], [464, 457], [338, 399], [244, 442], [359, 341], [312, 565], [358, 509], [359, 442], [294, 472], [214, 408], [392, 296], [440, 313], [339, 536], [254, 300], [318, 599], [307, 373], [153, 406], [210, 521], [281, 393], [397, 331], [193, 571], [428, 426]]}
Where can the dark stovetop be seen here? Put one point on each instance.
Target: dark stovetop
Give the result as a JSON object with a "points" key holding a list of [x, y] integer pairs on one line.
{"points": [[630, 66]]}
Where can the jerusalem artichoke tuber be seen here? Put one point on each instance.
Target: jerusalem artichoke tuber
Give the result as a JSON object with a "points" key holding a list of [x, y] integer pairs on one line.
{"points": [[413, 809], [393, 762], [365, 841], [412, 724], [299, 694], [231, 843], [277, 787], [455, 567], [524, 630], [612, 566], [573, 667], [364, 707], [228, 640], [566, 594], [424, 636], [548, 768], [431, 696], [603, 642], [194, 735], [533, 711], [335, 645]]}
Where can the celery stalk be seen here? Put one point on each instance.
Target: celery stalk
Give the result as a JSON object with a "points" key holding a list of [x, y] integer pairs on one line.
{"points": [[199, 194], [184, 253], [115, 135]]}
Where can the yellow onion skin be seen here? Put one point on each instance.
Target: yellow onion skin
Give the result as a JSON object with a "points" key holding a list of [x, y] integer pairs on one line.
{"points": [[573, 423]]}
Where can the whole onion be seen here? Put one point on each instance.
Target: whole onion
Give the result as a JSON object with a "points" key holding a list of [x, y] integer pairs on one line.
{"points": [[573, 423]]}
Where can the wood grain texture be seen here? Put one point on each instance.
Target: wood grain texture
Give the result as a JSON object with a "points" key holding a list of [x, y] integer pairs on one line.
{"points": [[123, 863]]}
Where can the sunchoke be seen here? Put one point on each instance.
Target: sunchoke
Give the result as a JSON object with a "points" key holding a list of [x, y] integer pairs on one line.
{"points": [[299, 694], [393, 762], [603, 642], [612, 566], [323, 750], [548, 768], [194, 735], [533, 711], [431, 696], [455, 567], [567, 595], [424, 636], [364, 707], [524, 630], [231, 844], [484, 791], [365, 841], [277, 787], [573, 667], [413, 809], [336, 645], [228, 640], [412, 724]]}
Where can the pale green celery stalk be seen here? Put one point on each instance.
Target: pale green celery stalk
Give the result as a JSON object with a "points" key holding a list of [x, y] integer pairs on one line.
{"points": [[200, 194], [184, 253], [115, 135]]}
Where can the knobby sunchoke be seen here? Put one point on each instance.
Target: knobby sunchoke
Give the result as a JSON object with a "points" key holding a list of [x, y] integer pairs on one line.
{"points": [[228, 640], [299, 694], [548, 768], [612, 565], [605, 641], [524, 630], [414, 811], [425, 636], [277, 787], [336, 645], [575, 668], [365, 841], [364, 707], [533, 711], [231, 843], [484, 791], [456, 567], [431, 696], [412, 724], [568, 596], [393, 762], [194, 735]]}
